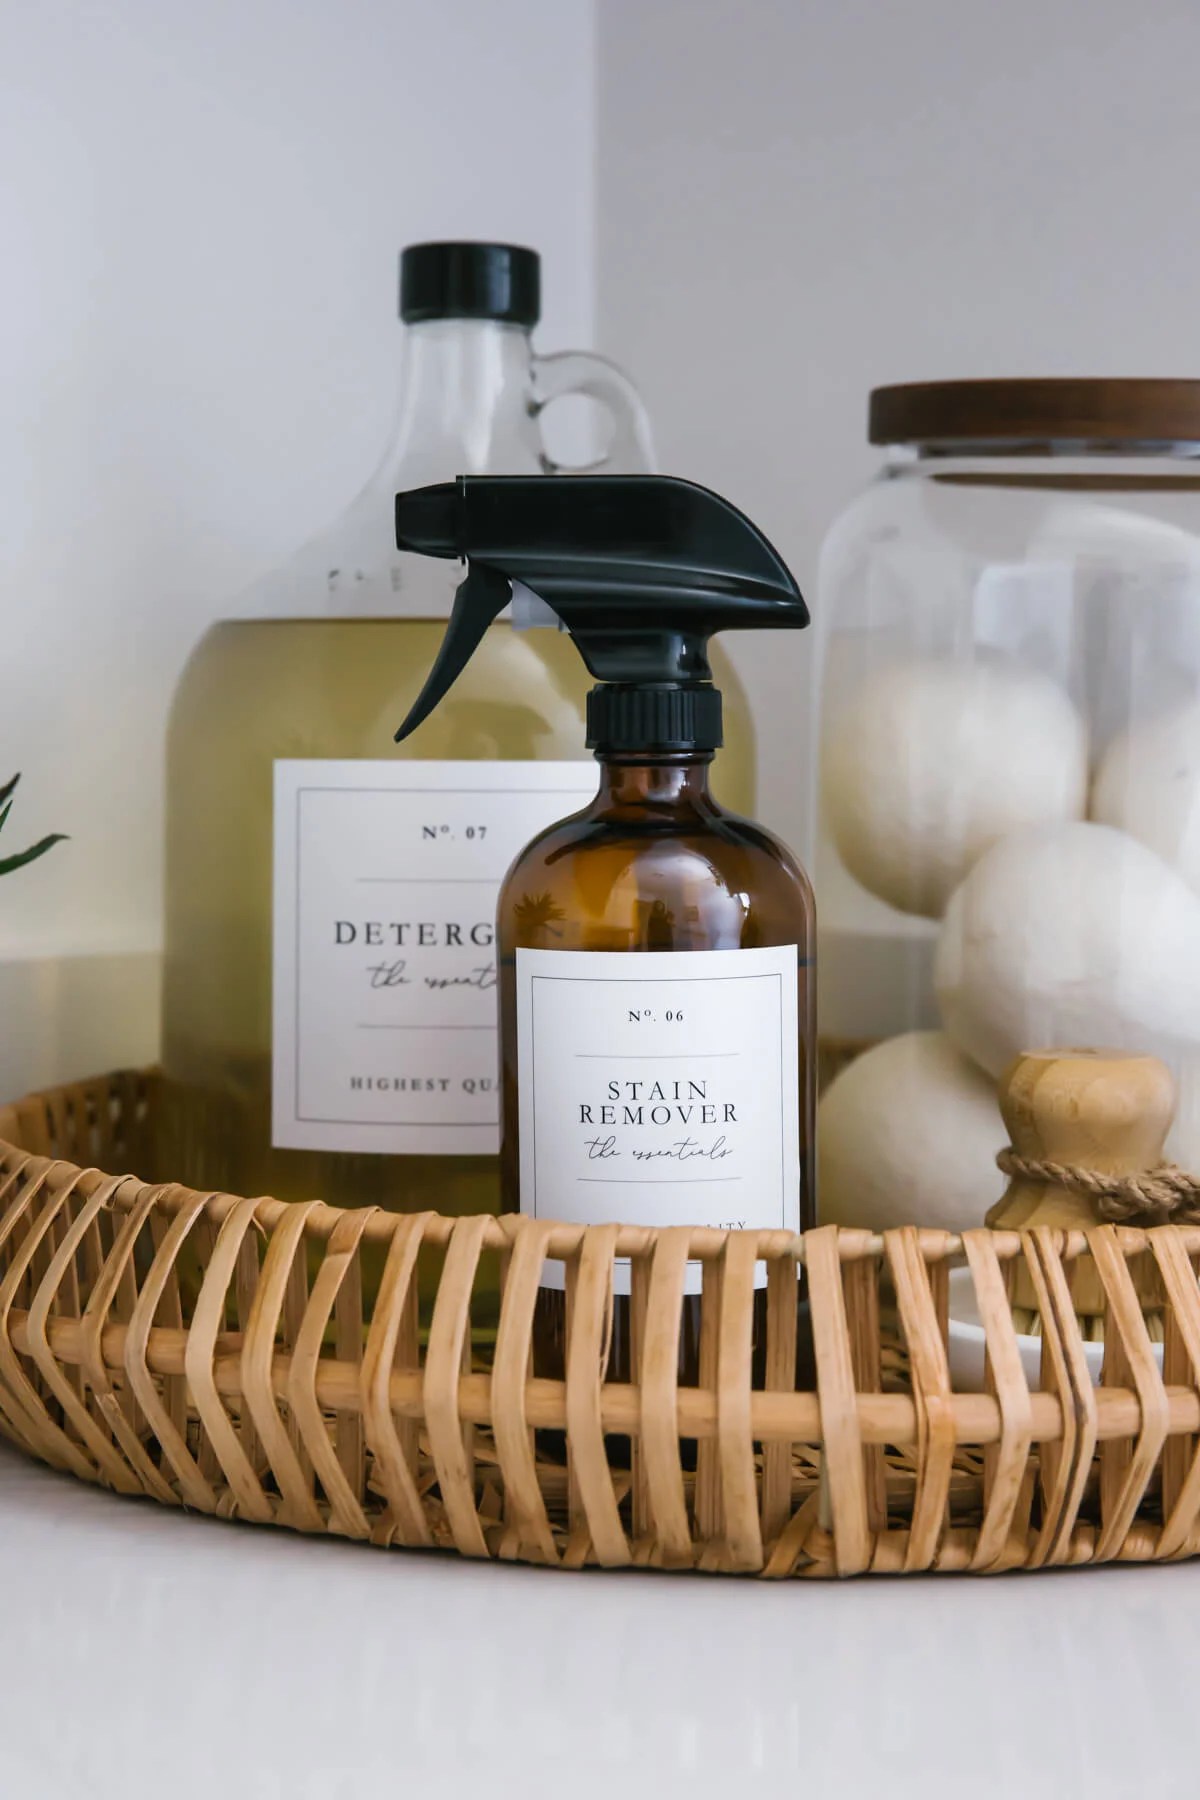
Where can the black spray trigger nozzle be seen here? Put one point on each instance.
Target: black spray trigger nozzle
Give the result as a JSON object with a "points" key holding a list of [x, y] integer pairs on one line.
{"points": [[641, 570], [479, 600]]}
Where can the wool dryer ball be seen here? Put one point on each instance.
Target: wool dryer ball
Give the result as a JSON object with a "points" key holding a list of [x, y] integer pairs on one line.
{"points": [[908, 1133], [933, 761], [1148, 784], [1070, 934]]}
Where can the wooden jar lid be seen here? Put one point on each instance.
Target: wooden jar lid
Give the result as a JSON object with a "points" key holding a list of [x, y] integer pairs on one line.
{"points": [[1035, 412]]}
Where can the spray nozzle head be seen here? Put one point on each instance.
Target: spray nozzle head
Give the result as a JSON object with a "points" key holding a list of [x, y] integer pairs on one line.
{"points": [[641, 570]]}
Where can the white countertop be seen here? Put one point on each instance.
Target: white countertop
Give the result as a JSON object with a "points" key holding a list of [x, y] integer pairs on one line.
{"points": [[147, 1653]]}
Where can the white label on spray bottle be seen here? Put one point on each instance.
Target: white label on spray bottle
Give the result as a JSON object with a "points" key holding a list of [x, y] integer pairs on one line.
{"points": [[659, 1088], [386, 879]]}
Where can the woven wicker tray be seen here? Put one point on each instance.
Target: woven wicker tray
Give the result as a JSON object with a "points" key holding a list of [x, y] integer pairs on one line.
{"points": [[267, 1392]]}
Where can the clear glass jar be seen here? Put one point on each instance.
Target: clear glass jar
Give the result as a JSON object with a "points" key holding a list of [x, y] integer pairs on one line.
{"points": [[1008, 840]]}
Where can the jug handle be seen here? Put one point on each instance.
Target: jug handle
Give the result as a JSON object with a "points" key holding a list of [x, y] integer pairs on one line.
{"points": [[631, 448]]}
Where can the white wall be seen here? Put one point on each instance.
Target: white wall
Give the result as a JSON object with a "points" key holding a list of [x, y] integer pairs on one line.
{"points": [[800, 199], [202, 209]]}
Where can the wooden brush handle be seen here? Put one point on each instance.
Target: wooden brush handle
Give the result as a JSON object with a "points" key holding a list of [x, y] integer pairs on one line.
{"points": [[1092, 1109]]}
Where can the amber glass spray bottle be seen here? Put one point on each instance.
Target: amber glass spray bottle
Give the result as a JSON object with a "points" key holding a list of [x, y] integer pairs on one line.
{"points": [[656, 978]]}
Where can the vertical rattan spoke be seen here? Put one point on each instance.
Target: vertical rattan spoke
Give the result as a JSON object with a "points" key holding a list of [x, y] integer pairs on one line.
{"points": [[587, 1363], [743, 1547], [395, 1453], [659, 1386], [50, 1439], [843, 1470], [119, 1416], [298, 1506], [1006, 1464], [346, 1515], [1067, 1462], [1129, 1359], [449, 1434], [525, 1509], [936, 1437], [65, 1384], [244, 1490]]}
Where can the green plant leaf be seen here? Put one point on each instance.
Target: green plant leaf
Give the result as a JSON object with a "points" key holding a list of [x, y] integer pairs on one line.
{"points": [[9, 863]]}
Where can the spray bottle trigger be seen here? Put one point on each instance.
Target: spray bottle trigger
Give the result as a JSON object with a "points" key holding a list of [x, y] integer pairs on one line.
{"points": [[480, 599]]}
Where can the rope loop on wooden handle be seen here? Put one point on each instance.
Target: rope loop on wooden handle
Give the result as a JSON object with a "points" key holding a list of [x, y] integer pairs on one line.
{"points": [[1150, 1197]]}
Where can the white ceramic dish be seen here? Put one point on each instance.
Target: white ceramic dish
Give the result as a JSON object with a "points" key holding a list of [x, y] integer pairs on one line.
{"points": [[966, 1347]]}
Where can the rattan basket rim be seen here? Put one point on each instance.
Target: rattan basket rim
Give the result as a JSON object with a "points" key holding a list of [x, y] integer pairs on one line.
{"points": [[240, 1401]]}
